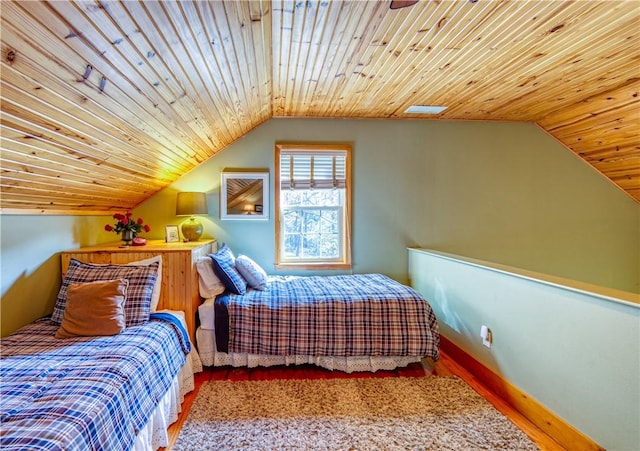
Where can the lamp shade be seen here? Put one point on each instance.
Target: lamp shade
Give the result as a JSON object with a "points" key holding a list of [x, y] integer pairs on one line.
{"points": [[191, 203]]}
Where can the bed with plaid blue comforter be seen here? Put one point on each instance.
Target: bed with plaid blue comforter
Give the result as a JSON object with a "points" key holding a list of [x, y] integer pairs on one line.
{"points": [[85, 393], [352, 315]]}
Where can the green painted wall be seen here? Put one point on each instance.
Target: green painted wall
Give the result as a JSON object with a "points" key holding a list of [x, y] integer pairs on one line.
{"points": [[575, 351], [30, 249], [503, 192]]}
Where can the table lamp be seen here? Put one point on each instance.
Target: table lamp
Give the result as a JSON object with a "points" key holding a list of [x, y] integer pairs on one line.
{"points": [[190, 204]]}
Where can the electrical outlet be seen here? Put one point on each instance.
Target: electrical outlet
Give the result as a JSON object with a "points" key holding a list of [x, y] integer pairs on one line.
{"points": [[485, 334]]}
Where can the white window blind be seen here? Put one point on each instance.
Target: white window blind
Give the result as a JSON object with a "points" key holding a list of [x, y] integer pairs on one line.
{"points": [[300, 170]]}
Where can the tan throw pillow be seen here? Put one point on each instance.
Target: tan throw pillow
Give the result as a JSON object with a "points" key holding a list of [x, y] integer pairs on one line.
{"points": [[94, 309]]}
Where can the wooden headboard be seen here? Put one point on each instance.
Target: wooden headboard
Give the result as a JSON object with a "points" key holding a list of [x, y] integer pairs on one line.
{"points": [[179, 275]]}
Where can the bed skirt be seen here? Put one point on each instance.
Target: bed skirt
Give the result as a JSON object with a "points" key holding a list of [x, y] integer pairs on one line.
{"points": [[154, 435], [211, 357]]}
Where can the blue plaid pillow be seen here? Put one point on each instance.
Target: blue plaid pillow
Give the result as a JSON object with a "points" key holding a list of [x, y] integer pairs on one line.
{"points": [[141, 282], [224, 265]]}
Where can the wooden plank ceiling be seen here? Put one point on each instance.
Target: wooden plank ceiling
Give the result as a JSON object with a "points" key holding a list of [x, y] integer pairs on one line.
{"points": [[104, 103]]}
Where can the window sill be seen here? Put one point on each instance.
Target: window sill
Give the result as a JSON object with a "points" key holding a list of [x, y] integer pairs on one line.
{"points": [[314, 266]]}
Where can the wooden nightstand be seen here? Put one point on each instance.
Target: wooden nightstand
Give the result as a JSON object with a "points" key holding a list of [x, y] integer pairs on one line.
{"points": [[179, 275]]}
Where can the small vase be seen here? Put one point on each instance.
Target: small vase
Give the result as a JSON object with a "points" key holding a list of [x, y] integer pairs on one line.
{"points": [[127, 236]]}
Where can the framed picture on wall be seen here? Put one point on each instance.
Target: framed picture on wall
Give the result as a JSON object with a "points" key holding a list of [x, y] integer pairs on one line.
{"points": [[244, 194], [171, 234]]}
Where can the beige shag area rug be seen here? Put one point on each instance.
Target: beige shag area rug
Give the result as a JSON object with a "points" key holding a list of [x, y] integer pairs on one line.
{"points": [[432, 413]]}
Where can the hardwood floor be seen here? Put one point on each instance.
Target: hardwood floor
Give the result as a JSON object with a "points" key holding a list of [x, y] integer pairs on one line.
{"points": [[444, 367]]}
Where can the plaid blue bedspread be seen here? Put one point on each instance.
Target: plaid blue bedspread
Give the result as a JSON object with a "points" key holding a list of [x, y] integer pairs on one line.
{"points": [[89, 393], [353, 315]]}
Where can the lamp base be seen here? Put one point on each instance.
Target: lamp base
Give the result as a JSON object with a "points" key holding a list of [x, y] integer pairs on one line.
{"points": [[192, 229]]}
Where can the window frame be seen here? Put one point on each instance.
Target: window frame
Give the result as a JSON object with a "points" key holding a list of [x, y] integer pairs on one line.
{"points": [[345, 262]]}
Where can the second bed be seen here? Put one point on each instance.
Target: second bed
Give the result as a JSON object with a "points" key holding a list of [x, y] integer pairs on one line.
{"points": [[363, 322]]}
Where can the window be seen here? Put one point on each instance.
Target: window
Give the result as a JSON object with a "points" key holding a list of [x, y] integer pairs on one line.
{"points": [[313, 190]]}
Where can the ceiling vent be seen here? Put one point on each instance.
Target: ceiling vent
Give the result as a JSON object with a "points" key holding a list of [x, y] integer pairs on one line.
{"points": [[425, 109]]}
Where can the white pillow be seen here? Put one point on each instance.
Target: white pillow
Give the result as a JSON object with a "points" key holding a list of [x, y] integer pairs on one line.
{"points": [[252, 272], [207, 314], [155, 295], [208, 282]]}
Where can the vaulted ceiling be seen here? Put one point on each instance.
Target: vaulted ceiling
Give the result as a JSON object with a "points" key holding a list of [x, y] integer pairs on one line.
{"points": [[104, 103]]}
